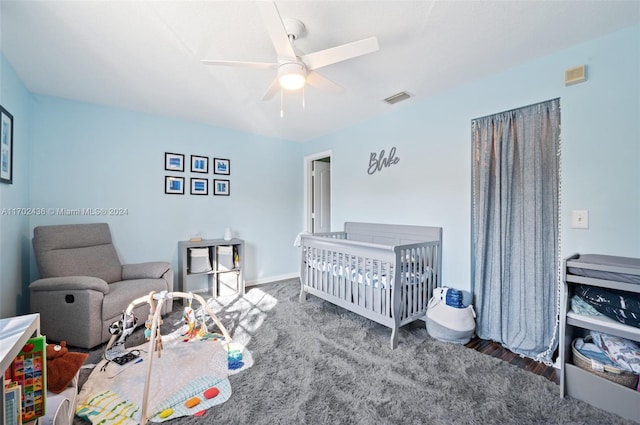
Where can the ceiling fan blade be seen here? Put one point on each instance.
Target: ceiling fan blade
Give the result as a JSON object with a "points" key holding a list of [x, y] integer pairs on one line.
{"points": [[340, 53], [277, 32], [272, 90], [239, 63], [321, 82]]}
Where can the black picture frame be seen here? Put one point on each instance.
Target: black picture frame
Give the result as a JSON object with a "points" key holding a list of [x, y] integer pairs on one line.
{"points": [[199, 186], [221, 187], [173, 161], [221, 166], [6, 146], [199, 164], [173, 185]]}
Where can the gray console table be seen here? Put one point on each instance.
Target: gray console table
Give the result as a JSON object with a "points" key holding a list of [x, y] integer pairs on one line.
{"points": [[226, 259]]}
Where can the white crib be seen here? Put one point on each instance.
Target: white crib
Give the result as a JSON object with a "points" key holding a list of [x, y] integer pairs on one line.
{"points": [[383, 272]]}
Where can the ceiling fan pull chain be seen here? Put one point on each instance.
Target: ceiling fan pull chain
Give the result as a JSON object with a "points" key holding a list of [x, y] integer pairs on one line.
{"points": [[302, 97], [281, 102]]}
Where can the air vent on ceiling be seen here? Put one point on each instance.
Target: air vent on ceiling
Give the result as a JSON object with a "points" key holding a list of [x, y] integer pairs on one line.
{"points": [[398, 97]]}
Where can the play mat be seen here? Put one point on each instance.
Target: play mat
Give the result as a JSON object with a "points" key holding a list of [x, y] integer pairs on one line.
{"points": [[187, 377]]}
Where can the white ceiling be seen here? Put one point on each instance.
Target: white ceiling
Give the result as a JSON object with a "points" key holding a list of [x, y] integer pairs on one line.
{"points": [[145, 55]]}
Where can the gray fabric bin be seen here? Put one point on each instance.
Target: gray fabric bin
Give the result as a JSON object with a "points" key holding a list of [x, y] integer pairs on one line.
{"points": [[199, 260], [225, 257]]}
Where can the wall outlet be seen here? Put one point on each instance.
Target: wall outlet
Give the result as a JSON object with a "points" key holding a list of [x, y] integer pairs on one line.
{"points": [[580, 219]]}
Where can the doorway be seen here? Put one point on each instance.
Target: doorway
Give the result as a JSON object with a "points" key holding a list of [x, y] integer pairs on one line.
{"points": [[317, 189]]}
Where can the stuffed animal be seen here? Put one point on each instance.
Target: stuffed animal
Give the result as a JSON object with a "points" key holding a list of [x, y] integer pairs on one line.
{"points": [[62, 366]]}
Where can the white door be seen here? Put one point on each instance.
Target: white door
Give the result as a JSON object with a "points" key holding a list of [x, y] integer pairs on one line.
{"points": [[321, 197]]}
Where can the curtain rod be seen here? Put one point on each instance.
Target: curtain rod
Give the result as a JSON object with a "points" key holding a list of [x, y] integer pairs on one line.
{"points": [[516, 109]]}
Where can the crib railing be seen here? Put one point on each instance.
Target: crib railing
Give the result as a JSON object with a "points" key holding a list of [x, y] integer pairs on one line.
{"points": [[355, 273], [332, 235], [419, 269], [366, 275]]}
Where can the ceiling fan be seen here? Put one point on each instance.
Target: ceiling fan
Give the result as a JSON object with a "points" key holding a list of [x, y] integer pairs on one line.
{"points": [[293, 70]]}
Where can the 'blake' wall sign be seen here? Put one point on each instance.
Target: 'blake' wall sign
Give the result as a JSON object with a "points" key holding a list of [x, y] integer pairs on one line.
{"points": [[377, 163]]}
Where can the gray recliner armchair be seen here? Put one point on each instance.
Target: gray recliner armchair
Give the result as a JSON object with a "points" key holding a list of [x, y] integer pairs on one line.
{"points": [[83, 287]]}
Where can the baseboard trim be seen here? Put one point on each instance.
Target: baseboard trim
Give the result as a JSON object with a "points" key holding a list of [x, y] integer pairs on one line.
{"points": [[264, 280]]}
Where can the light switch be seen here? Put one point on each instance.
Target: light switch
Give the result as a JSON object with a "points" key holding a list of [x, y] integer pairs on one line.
{"points": [[580, 219]]}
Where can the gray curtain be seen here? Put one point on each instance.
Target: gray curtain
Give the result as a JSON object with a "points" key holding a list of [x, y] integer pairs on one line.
{"points": [[515, 228]]}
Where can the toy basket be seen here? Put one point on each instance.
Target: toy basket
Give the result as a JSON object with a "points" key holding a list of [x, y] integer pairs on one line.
{"points": [[611, 373]]}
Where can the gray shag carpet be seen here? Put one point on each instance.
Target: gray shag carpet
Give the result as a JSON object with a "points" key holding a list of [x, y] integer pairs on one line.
{"points": [[315, 363]]}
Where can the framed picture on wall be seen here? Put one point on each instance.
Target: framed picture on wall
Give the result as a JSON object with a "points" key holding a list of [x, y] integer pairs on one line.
{"points": [[221, 166], [199, 186], [173, 161], [221, 187], [199, 164], [6, 146], [174, 185]]}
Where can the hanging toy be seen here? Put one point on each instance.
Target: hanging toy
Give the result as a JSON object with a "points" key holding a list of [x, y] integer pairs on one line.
{"points": [[152, 311], [190, 322], [203, 326], [158, 341], [148, 324]]}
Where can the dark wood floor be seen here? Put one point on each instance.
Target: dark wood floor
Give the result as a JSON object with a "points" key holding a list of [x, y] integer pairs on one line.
{"points": [[496, 350]]}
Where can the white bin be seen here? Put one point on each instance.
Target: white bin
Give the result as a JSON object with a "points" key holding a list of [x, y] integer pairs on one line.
{"points": [[225, 257], [199, 260], [228, 284]]}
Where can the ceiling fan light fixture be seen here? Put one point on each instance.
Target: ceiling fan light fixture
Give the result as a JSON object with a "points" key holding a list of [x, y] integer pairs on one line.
{"points": [[291, 76]]}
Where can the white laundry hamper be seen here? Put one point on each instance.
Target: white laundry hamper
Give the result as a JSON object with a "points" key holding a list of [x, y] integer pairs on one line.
{"points": [[450, 324]]}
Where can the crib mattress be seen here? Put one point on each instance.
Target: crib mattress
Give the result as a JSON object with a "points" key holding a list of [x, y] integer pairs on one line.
{"points": [[573, 267], [353, 274], [369, 278]]}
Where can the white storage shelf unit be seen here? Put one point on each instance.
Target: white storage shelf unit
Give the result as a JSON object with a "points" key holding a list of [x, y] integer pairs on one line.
{"points": [[577, 382], [222, 263]]}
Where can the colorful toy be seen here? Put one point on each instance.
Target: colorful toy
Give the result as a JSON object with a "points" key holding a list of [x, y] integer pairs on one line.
{"points": [[29, 371], [193, 401], [211, 393], [152, 331], [190, 321], [235, 356], [166, 413]]}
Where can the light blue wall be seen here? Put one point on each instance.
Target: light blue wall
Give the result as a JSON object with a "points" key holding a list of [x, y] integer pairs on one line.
{"points": [[14, 226], [88, 156], [77, 155], [601, 147], [431, 185]]}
